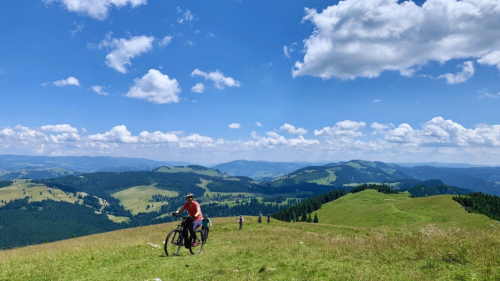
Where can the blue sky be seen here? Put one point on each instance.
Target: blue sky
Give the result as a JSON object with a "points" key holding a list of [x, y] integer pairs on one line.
{"points": [[326, 81]]}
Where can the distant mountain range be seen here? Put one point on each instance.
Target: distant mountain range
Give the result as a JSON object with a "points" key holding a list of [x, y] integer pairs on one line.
{"points": [[259, 170], [41, 167]]}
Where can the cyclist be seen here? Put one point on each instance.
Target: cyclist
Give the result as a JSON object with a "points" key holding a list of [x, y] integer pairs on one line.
{"points": [[206, 223], [193, 222], [260, 217], [240, 220], [268, 218]]}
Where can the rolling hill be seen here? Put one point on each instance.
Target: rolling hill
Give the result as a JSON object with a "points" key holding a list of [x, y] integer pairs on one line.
{"points": [[381, 241], [370, 208], [259, 170]]}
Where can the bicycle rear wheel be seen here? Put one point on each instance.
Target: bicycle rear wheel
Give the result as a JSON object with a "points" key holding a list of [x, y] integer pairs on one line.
{"points": [[173, 243], [201, 238]]}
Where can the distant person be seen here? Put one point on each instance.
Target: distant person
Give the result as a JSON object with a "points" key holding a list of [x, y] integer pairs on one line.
{"points": [[260, 217], [240, 220], [206, 224], [194, 220], [268, 218]]}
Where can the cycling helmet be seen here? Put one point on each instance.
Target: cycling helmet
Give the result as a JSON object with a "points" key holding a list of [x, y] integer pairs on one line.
{"points": [[189, 195], [205, 215]]}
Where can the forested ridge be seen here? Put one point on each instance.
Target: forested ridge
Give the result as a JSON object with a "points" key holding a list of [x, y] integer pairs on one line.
{"points": [[23, 223], [478, 202]]}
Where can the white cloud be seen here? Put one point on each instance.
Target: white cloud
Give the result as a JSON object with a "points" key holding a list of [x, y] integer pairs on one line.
{"points": [[287, 53], [99, 90], [435, 140], [69, 81], [466, 73], [97, 9], [380, 128], [123, 50], [346, 128], [198, 88], [258, 124], [78, 28], [165, 41], [376, 100], [439, 132], [288, 50], [485, 94], [60, 128], [234, 126], [492, 58], [292, 130], [187, 16], [116, 134], [362, 39], [155, 87], [190, 43], [218, 78]]}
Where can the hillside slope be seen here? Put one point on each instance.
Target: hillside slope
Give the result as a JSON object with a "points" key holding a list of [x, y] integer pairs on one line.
{"points": [[399, 211], [259, 170], [279, 251]]}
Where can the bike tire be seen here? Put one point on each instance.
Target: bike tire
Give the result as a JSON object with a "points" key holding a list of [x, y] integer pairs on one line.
{"points": [[201, 237], [173, 243]]}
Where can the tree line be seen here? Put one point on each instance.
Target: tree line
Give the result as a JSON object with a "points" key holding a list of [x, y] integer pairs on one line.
{"points": [[480, 203]]}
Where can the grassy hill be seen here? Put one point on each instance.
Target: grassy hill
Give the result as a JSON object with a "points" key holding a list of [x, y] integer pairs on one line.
{"points": [[351, 250], [370, 208], [344, 174], [259, 170]]}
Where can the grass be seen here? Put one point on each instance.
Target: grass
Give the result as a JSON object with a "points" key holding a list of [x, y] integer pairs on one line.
{"points": [[398, 211], [22, 188], [208, 172], [279, 251], [327, 180], [137, 198]]}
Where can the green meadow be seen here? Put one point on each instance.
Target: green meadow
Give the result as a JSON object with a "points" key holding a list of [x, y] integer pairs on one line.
{"points": [[433, 243]]}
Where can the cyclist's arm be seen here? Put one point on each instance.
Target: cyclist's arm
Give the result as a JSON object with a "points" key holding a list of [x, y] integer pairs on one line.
{"points": [[210, 223], [198, 211], [181, 209]]}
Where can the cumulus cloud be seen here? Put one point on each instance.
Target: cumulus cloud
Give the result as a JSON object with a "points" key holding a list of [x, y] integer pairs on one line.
{"points": [[165, 41], [464, 75], [292, 130], [69, 81], [218, 78], [363, 38], [123, 50], [60, 128], [99, 90], [435, 139], [439, 132], [258, 124], [155, 87], [198, 88], [97, 9], [234, 126], [492, 58], [346, 128], [380, 128]]}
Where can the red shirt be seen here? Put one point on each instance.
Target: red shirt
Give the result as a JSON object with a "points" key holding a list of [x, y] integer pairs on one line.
{"points": [[192, 210]]}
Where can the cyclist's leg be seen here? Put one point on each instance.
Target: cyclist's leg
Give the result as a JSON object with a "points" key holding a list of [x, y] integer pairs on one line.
{"points": [[188, 228], [196, 224]]}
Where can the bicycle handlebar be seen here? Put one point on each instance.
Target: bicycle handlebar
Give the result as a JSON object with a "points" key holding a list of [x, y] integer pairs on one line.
{"points": [[182, 217]]}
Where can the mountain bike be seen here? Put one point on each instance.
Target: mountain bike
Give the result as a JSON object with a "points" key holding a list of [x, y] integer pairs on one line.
{"points": [[204, 230], [175, 240]]}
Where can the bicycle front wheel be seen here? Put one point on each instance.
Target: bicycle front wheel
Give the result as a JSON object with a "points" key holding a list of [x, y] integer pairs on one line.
{"points": [[173, 243], [201, 242]]}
